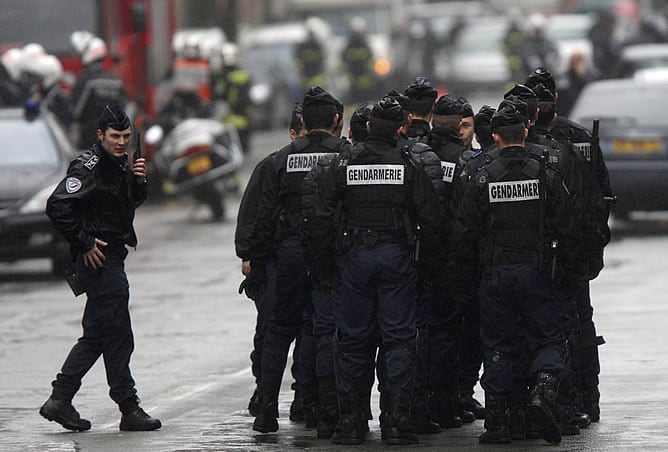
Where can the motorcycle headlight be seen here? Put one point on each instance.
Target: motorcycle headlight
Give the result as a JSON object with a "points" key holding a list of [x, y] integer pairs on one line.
{"points": [[37, 203]]}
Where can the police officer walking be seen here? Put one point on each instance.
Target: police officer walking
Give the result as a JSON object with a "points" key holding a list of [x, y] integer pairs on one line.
{"points": [[510, 210], [382, 197], [93, 207], [279, 228]]}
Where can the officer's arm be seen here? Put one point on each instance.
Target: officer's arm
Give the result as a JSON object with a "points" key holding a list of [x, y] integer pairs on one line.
{"points": [[265, 227], [248, 210], [65, 205]]}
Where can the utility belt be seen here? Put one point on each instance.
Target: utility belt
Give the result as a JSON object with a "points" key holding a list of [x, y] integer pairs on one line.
{"points": [[367, 238], [505, 256]]}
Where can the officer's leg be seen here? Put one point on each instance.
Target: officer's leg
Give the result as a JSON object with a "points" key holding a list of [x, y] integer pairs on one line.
{"points": [[444, 332], [502, 343], [354, 311], [421, 420], [588, 364], [308, 385], [323, 328], [297, 405], [292, 293], [545, 340], [264, 306], [470, 357], [397, 298]]}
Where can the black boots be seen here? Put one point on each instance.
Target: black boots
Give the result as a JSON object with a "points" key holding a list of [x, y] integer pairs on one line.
{"points": [[542, 405], [496, 421], [254, 403], [64, 413], [135, 419], [421, 421], [328, 412], [443, 409], [469, 403], [267, 419], [350, 428], [398, 430], [296, 407]]}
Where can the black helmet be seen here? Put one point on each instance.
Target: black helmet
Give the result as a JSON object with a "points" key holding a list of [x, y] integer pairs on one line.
{"points": [[506, 115], [388, 109]]}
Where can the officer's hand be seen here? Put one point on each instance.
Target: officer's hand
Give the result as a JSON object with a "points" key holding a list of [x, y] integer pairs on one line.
{"points": [[139, 170], [95, 257], [245, 267]]}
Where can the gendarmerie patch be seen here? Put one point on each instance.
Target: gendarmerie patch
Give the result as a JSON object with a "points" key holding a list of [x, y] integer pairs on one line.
{"points": [[375, 175], [448, 171], [72, 185], [304, 162], [90, 164], [521, 190], [584, 148]]}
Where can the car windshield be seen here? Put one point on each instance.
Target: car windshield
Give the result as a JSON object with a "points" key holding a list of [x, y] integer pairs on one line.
{"points": [[561, 30], [267, 62], [481, 38], [26, 143], [638, 103]]}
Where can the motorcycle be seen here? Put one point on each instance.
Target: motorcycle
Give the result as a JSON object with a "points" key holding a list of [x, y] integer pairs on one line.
{"points": [[198, 157]]}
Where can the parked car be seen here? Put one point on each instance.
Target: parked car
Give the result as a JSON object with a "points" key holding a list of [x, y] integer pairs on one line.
{"points": [[633, 136], [641, 56], [33, 159], [477, 60]]}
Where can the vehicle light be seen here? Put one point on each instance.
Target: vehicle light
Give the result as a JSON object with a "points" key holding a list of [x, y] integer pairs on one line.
{"points": [[37, 203], [259, 93], [382, 67]]}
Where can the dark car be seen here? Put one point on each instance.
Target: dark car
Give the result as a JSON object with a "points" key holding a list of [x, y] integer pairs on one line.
{"points": [[34, 156], [633, 134]]}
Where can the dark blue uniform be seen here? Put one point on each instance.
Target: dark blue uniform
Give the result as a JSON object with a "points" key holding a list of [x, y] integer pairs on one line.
{"points": [[381, 196], [97, 199], [500, 221]]}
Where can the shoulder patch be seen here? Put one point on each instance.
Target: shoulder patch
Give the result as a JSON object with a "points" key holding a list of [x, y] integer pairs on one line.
{"points": [[90, 164], [72, 185]]}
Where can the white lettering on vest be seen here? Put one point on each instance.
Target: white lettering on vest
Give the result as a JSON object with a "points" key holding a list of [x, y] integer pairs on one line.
{"points": [[304, 162], [520, 190], [375, 175], [448, 171]]}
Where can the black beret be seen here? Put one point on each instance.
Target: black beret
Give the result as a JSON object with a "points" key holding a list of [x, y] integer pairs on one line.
{"points": [[421, 89], [316, 96], [506, 115], [297, 115], [113, 116], [522, 91], [543, 94], [519, 103], [361, 114], [541, 75], [448, 105], [484, 115], [388, 109], [403, 100], [467, 109]]}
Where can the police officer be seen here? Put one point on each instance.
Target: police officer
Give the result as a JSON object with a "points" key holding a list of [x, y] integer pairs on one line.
{"points": [[309, 55], [279, 228], [93, 207], [598, 201], [382, 197], [421, 94], [259, 282], [357, 59], [466, 129], [509, 210], [94, 88]]}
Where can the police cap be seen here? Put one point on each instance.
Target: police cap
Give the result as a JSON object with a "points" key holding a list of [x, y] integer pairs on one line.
{"points": [[506, 115], [448, 105], [361, 114], [523, 91], [467, 109], [316, 96], [388, 109], [484, 116], [403, 100], [543, 93], [541, 75], [421, 89], [519, 103], [113, 116]]}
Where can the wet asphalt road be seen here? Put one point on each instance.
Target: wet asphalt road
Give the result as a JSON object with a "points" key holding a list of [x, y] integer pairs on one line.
{"points": [[193, 334]]}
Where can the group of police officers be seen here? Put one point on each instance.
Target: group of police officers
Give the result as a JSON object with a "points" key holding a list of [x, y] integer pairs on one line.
{"points": [[404, 254]]}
